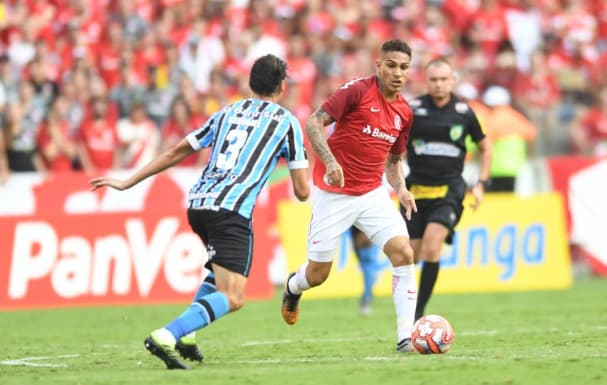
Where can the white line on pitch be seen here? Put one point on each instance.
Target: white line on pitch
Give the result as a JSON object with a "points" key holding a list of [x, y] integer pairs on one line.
{"points": [[491, 332], [34, 361]]}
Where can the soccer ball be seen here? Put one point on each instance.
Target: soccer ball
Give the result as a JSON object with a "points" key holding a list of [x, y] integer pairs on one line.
{"points": [[432, 334]]}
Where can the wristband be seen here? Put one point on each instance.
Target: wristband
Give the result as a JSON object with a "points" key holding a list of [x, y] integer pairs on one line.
{"points": [[483, 182]]}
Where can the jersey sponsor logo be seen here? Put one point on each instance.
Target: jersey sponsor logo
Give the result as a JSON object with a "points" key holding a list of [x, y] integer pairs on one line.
{"points": [[242, 121], [397, 122], [209, 194], [421, 147], [373, 109], [456, 132], [377, 133], [461, 107]]}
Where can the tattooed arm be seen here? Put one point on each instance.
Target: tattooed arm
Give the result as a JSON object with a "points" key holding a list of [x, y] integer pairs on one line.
{"points": [[394, 175], [316, 134]]}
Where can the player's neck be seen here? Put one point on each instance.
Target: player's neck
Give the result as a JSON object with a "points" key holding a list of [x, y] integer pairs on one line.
{"points": [[268, 98], [441, 102]]}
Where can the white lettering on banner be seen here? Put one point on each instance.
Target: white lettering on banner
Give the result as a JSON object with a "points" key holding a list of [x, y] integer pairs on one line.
{"points": [[25, 264], [79, 266], [71, 273], [182, 266], [113, 248], [147, 259]]}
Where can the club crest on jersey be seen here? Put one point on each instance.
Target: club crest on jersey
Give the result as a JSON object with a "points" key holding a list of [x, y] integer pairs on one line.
{"points": [[456, 132], [461, 107], [397, 122]]}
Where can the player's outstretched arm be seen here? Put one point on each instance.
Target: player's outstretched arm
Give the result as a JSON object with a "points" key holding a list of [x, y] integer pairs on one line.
{"points": [[165, 160], [394, 175], [316, 135]]}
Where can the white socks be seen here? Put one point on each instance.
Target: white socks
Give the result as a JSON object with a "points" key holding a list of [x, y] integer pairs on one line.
{"points": [[298, 283], [404, 295]]}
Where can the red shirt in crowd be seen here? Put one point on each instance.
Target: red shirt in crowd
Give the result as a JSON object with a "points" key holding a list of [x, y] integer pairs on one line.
{"points": [[61, 162], [595, 124], [99, 140]]}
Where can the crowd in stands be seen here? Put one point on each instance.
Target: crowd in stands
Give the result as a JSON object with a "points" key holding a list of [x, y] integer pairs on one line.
{"points": [[106, 84]]}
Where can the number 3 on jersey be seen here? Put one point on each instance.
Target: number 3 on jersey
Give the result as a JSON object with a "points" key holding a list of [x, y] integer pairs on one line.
{"points": [[235, 140]]}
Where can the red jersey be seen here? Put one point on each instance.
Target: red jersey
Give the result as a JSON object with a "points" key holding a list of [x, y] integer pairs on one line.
{"points": [[367, 128], [99, 139], [595, 124]]}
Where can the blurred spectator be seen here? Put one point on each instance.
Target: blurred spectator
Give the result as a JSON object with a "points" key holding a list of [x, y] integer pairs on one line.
{"points": [[301, 69], [4, 169], [510, 133], [537, 94], [20, 141], [127, 91], [488, 27], [589, 133], [109, 52], [138, 138], [180, 123], [200, 54], [134, 25], [157, 100], [524, 31], [97, 141], [56, 143]]}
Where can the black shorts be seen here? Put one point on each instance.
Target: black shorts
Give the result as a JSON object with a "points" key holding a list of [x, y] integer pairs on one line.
{"points": [[228, 237], [446, 209]]}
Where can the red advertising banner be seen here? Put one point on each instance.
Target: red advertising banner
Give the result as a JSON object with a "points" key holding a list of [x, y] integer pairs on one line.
{"points": [[583, 184], [62, 245]]}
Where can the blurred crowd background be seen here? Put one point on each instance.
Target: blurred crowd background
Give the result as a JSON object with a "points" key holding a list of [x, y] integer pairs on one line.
{"points": [[107, 84]]}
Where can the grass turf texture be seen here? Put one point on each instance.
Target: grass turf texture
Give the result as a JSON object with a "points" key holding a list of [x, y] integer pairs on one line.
{"points": [[557, 337]]}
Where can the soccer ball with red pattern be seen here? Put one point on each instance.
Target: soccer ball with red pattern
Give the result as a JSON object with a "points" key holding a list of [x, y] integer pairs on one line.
{"points": [[432, 334]]}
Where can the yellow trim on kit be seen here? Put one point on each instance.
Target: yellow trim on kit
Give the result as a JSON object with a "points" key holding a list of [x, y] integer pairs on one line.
{"points": [[420, 191]]}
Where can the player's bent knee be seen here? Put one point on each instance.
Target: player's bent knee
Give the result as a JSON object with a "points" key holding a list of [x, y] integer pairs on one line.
{"points": [[317, 273], [399, 251]]}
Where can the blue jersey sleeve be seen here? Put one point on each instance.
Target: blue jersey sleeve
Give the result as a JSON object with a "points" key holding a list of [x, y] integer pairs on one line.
{"points": [[293, 149], [203, 136]]}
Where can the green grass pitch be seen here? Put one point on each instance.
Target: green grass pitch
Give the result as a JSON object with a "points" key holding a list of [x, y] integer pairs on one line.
{"points": [[555, 337]]}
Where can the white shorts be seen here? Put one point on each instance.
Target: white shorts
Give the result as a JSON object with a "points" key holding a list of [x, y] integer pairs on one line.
{"points": [[374, 213]]}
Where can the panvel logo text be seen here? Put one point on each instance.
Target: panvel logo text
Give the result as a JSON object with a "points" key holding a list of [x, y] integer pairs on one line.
{"points": [[121, 263]]}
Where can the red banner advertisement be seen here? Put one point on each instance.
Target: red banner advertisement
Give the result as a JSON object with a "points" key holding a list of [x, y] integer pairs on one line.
{"points": [[583, 184], [63, 245]]}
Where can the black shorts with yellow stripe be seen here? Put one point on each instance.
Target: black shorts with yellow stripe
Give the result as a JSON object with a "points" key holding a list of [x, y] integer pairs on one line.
{"points": [[439, 204]]}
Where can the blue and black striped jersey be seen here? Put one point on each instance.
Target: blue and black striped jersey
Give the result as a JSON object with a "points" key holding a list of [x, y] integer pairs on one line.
{"points": [[247, 139]]}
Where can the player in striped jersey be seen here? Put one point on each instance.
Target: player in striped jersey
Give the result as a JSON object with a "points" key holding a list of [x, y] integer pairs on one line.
{"points": [[247, 139]]}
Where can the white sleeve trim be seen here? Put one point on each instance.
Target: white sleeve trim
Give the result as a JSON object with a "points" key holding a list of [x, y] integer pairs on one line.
{"points": [[193, 142], [296, 164]]}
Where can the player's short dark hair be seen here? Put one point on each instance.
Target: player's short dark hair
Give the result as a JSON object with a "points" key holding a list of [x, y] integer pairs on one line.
{"points": [[395, 45], [267, 74]]}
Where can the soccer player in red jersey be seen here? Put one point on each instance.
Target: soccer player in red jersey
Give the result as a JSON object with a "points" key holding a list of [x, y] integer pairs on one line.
{"points": [[372, 122]]}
